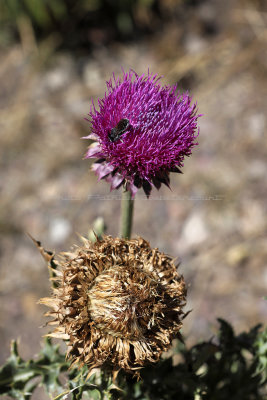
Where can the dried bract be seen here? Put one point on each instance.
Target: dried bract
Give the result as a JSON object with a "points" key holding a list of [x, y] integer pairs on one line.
{"points": [[117, 302]]}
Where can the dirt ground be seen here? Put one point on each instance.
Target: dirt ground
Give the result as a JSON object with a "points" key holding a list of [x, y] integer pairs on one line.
{"points": [[213, 219]]}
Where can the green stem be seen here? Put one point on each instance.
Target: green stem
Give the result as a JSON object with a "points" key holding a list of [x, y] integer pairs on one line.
{"points": [[127, 204]]}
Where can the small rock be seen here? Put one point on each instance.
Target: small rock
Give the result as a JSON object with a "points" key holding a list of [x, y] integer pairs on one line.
{"points": [[237, 255], [194, 230], [59, 230], [91, 76], [256, 123]]}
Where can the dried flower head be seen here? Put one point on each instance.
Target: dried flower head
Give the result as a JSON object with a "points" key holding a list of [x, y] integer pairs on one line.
{"points": [[143, 131], [118, 303]]}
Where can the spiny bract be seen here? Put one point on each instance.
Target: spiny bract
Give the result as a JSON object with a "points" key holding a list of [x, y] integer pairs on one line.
{"points": [[117, 302]]}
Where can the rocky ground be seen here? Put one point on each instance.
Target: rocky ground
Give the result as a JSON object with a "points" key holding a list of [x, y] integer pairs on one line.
{"points": [[213, 220]]}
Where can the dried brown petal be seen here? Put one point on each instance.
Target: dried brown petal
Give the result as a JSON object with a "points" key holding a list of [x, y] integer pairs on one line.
{"points": [[118, 303]]}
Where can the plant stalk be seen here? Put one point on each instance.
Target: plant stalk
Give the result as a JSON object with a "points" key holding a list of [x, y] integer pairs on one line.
{"points": [[127, 204]]}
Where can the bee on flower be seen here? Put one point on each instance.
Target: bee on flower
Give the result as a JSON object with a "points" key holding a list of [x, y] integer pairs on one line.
{"points": [[142, 132]]}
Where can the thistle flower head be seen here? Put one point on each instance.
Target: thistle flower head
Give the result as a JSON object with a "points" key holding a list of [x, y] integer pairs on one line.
{"points": [[118, 303], [143, 131]]}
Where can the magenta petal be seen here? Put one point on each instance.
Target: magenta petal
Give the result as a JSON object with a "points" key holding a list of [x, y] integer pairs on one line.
{"points": [[115, 181], [132, 188], [161, 130], [94, 151], [91, 136], [102, 170]]}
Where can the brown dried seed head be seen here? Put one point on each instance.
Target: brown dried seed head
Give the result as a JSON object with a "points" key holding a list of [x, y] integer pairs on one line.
{"points": [[118, 303]]}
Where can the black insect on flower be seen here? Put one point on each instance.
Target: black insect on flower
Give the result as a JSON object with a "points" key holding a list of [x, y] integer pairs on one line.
{"points": [[119, 130], [143, 131]]}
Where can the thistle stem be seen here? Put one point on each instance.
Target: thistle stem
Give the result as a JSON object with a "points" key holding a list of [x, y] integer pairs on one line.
{"points": [[127, 204]]}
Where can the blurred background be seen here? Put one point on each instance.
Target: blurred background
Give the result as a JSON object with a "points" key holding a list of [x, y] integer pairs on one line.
{"points": [[56, 57]]}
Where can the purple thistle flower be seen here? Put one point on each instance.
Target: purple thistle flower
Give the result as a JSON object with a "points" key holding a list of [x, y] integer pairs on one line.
{"points": [[143, 131]]}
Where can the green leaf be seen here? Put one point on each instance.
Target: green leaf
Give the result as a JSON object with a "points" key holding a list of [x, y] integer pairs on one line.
{"points": [[227, 367], [38, 11], [226, 332], [261, 354], [51, 353], [95, 394]]}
